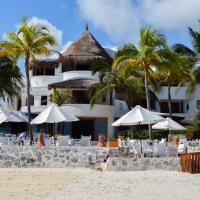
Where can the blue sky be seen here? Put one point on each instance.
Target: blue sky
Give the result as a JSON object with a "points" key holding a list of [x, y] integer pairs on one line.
{"points": [[112, 22]]}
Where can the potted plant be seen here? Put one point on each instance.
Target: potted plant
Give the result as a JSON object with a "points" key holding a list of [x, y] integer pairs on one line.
{"points": [[190, 130], [121, 135], [112, 142]]}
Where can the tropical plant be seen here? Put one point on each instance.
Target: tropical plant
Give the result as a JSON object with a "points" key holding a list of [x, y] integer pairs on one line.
{"points": [[28, 42], [174, 70], [10, 80], [143, 56], [196, 123], [112, 139], [121, 134], [61, 97], [193, 53], [120, 80]]}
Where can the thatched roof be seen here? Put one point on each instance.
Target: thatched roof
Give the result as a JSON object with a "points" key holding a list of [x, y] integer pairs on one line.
{"points": [[73, 84], [84, 51], [44, 64]]}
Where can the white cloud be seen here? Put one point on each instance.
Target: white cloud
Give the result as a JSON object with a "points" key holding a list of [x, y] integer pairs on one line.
{"points": [[117, 18], [121, 19], [170, 14], [53, 29]]}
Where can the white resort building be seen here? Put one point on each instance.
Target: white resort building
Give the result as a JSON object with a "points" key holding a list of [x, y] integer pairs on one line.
{"points": [[72, 71]]}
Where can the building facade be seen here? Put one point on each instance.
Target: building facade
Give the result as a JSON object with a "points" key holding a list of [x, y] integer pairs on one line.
{"points": [[71, 70]]}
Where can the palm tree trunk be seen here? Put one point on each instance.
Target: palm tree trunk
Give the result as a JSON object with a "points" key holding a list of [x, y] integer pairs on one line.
{"points": [[147, 91], [169, 101], [28, 98], [147, 99]]}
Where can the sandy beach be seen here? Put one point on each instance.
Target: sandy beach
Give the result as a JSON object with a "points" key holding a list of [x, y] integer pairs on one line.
{"points": [[85, 184]]}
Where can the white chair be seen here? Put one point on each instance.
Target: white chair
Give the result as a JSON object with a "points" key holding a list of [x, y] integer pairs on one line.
{"points": [[160, 150], [147, 149], [163, 141], [136, 148], [62, 140], [85, 140]]}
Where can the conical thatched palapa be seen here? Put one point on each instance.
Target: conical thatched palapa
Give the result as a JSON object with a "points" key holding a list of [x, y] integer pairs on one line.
{"points": [[84, 51]]}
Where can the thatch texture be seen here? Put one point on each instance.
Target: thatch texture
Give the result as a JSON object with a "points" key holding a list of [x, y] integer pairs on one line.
{"points": [[38, 64], [73, 84], [84, 51]]}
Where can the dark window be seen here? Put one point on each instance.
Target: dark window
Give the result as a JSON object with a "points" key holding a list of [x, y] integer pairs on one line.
{"points": [[153, 104], [104, 100], [19, 103], [31, 100], [50, 71], [177, 107], [82, 67], [44, 71], [43, 100], [198, 103], [80, 96]]}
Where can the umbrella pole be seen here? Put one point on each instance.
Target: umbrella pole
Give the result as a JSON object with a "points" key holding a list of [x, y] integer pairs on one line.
{"points": [[54, 132], [132, 132], [140, 139]]}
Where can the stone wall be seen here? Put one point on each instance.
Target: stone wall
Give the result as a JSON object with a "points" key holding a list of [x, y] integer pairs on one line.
{"points": [[50, 157], [138, 164], [60, 157]]}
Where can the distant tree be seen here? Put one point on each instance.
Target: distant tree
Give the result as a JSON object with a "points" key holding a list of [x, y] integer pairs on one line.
{"points": [[174, 70], [143, 56], [196, 123], [10, 79], [61, 97], [28, 42], [193, 53], [119, 79]]}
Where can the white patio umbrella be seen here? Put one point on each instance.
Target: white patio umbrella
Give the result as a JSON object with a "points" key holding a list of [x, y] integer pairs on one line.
{"points": [[168, 124], [6, 116], [53, 114], [138, 116]]}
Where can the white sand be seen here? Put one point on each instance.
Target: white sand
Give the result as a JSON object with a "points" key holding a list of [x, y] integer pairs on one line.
{"points": [[85, 184]]}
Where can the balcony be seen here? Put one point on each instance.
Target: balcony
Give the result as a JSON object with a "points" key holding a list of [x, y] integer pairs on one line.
{"points": [[176, 93], [70, 75], [43, 81]]}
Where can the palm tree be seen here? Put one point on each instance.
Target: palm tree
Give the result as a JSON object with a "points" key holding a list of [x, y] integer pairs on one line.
{"points": [[61, 97], [193, 53], [173, 70], [143, 56], [28, 42], [10, 80], [121, 80]]}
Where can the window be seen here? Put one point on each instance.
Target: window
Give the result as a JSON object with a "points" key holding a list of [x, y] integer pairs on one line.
{"points": [[198, 103], [80, 96], [31, 101], [177, 107], [44, 71], [43, 100]]}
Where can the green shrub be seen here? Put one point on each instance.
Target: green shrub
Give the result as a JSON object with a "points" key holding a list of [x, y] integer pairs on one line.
{"points": [[112, 139], [121, 134]]}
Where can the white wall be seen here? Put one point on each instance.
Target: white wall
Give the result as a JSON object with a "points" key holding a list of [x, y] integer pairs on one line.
{"points": [[120, 108], [84, 110], [176, 94]]}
